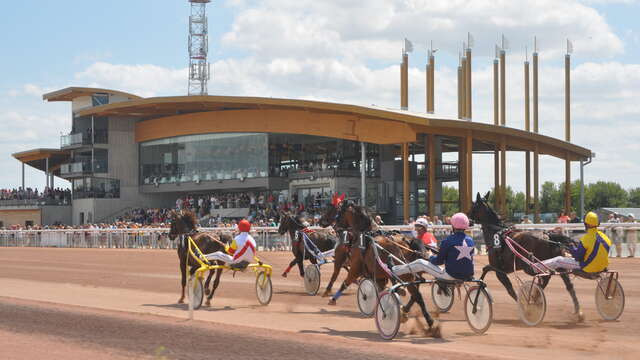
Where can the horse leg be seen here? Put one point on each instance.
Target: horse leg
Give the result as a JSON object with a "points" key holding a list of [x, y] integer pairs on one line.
{"points": [[354, 272], [183, 280], [207, 282], [434, 325], [300, 260], [504, 279], [577, 313], [338, 263], [216, 282], [291, 264]]}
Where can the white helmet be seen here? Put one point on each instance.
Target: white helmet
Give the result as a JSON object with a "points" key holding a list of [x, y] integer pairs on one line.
{"points": [[422, 222]]}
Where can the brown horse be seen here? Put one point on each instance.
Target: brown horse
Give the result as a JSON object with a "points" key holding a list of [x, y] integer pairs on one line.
{"points": [[323, 241], [345, 215], [184, 223], [501, 259]]}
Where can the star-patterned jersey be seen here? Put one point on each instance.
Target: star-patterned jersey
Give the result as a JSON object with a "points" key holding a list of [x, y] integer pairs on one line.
{"points": [[456, 253]]}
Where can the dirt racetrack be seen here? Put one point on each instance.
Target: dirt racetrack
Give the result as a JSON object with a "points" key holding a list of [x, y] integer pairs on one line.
{"points": [[121, 304]]}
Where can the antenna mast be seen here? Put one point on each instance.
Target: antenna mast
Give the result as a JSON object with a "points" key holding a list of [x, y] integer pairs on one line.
{"points": [[198, 48]]}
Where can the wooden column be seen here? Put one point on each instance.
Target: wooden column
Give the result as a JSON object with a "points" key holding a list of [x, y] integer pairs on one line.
{"points": [[404, 83], [527, 127], [460, 93], [462, 173], [567, 130], [536, 154], [469, 164], [405, 181], [432, 87], [496, 121], [432, 175], [503, 177], [536, 187], [503, 104], [467, 87]]}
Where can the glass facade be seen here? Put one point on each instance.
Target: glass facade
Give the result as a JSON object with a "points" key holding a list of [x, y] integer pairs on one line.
{"points": [[204, 157], [95, 188], [215, 157]]}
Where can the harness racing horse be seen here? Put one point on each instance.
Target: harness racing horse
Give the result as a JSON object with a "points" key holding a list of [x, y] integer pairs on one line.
{"points": [[345, 215], [323, 241], [184, 223], [501, 260]]}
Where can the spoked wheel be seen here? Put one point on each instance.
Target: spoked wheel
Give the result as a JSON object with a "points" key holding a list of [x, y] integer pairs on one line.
{"points": [[388, 315], [367, 297], [264, 290], [312, 279], [198, 292], [532, 304], [442, 295], [609, 298], [480, 316]]}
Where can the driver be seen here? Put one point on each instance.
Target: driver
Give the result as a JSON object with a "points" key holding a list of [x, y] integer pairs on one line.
{"points": [[591, 254], [456, 253], [241, 251]]}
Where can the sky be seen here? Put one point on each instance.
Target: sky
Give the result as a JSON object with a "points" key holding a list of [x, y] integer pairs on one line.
{"points": [[345, 51]]}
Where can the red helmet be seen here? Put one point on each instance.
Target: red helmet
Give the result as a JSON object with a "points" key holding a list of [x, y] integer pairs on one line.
{"points": [[244, 226]]}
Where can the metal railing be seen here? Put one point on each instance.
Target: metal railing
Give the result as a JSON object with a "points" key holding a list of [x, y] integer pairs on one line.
{"points": [[35, 202], [267, 238]]}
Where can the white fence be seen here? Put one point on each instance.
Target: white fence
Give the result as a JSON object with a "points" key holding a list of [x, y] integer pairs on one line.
{"points": [[267, 238]]}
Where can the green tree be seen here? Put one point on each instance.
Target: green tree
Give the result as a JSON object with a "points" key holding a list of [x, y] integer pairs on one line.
{"points": [[605, 194], [634, 197], [450, 200], [550, 198]]}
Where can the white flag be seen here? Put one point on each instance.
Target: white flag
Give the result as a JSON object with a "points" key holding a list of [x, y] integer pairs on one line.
{"points": [[569, 47], [408, 46]]}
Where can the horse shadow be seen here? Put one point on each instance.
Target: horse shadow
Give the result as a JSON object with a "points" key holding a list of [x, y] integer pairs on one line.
{"points": [[373, 337], [185, 307], [322, 311], [551, 325]]}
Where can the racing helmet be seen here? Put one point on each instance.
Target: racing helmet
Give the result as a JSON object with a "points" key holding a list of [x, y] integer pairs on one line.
{"points": [[591, 219], [244, 225], [460, 221]]}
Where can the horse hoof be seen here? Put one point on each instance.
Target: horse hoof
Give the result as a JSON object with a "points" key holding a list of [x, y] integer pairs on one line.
{"points": [[207, 291], [326, 293], [578, 317], [332, 302], [401, 292], [181, 301], [207, 303], [436, 330], [404, 316], [284, 275]]}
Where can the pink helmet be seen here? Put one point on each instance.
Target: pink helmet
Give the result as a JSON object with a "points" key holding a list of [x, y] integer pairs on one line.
{"points": [[460, 221]]}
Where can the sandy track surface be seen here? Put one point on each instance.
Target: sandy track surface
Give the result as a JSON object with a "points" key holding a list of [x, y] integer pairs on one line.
{"points": [[121, 303]]}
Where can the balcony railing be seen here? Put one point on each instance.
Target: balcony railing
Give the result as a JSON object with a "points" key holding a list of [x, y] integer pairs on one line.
{"points": [[84, 138], [84, 167]]}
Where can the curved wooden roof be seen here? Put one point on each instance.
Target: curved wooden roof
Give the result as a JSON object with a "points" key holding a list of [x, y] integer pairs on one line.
{"points": [[70, 93], [184, 115]]}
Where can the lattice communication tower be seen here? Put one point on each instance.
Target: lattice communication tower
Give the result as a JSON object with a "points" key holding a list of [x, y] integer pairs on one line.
{"points": [[198, 48]]}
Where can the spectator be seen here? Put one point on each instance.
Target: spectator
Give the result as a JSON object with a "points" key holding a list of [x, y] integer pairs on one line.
{"points": [[563, 219]]}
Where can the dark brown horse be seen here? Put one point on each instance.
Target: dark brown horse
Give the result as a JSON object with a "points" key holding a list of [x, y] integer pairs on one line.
{"points": [[323, 241], [501, 259], [346, 216], [184, 223]]}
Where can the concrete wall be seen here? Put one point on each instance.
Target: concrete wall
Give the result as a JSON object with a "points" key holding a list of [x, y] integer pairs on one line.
{"points": [[19, 216], [56, 214]]}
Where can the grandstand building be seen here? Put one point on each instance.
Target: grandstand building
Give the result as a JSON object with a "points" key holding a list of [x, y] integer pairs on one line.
{"points": [[123, 151]]}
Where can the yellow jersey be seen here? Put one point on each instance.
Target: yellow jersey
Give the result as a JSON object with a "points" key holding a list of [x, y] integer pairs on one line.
{"points": [[593, 251]]}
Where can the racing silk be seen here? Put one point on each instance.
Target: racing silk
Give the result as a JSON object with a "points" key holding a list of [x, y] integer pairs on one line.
{"points": [[593, 251], [243, 247], [428, 239], [456, 253]]}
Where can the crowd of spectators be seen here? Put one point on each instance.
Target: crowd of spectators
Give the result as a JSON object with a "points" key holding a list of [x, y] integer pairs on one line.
{"points": [[48, 194]]}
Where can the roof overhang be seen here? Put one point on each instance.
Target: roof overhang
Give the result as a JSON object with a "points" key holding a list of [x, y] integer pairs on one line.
{"points": [[201, 114], [70, 93], [37, 158]]}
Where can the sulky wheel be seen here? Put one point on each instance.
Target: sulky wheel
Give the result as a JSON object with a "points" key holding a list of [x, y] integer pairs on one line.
{"points": [[367, 297], [479, 316], [198, 292], [388, 315], [609, 298], [532, 304], [442, 295], [264, 290], [312, 279]]}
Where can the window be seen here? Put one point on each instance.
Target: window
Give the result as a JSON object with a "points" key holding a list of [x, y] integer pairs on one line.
{"points": [[99, 99], [96, 188], [206, 157]]}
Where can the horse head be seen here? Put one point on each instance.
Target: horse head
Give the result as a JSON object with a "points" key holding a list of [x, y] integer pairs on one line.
{"points": [[482, 212], [331, 210], [289, 223], [182, 222]]}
